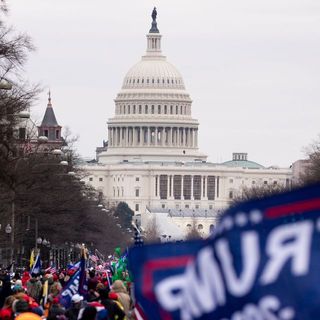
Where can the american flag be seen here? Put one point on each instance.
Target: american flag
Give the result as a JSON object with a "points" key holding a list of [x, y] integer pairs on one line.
{"points": [[93, 258], [51, 269]]}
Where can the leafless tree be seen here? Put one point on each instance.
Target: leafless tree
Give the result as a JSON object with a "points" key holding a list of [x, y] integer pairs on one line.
{"points": [[152, 233], [312, 170]]}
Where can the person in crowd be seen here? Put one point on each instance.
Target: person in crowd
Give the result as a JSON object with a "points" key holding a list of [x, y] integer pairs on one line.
{"points": [[89, 313], [20, 306], [76, 304], [28, 316], [34, 287], [25, 278], [119, 288], [6, 312], [55, 310], [114, 309], [5, 290]]}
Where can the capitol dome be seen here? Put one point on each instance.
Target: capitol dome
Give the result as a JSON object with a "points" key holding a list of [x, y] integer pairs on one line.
{"points": [[153, 72], [152, 120]]}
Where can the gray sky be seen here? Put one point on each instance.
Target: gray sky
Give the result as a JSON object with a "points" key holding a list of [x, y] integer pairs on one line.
{"points": [[251, 67]]}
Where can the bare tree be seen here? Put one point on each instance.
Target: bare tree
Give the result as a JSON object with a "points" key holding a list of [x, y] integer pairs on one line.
{"points": [[312, 170], [152, 233], [258, 192]]}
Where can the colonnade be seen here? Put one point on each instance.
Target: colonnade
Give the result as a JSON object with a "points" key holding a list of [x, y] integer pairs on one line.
{"points": [[135, 136], [185, 187]]}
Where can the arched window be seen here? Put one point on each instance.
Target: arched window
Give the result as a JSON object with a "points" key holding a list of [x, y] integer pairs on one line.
{"points": [[137, 80], [152, 80], [200, 226], [142, 80], [158, 80], [211, 228], [146, 109], [134, 109], [165, 109], [159, 109], [180, 109], [171, 109], [140, 109], [168, 81], [162, 80], [189, 226], [152, 109], [124, 109], [147, 80], [133, 81], [177, 110]]}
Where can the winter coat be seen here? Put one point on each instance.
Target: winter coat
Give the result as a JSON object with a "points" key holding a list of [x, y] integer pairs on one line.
{"points": [[34, 288]]}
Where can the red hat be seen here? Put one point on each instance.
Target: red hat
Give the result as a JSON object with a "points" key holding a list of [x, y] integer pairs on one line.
{"points": [[113, 296], [55, 300]]}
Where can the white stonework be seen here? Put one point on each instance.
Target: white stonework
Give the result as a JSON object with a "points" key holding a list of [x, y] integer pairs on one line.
{"points": [[152, 160]]}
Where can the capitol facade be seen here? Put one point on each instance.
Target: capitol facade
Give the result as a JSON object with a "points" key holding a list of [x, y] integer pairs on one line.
{"points": [[152, 161]]}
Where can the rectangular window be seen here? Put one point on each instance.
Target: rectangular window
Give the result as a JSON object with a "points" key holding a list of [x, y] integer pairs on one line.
{"points": [[159, 109], [218, 186], [57, 135], [163, 206], [163, 186], [137, 192], [90, 179], [187, 187], [156, 186], [152, 109], [230, 194], [210, 187], [197, 187], [186, 206], [137, 179], [136, 207], [165, 110], [170, 186], [100, 179], [177, 187], [197, 206], [46, 133], [140, 109], [146, 109]]}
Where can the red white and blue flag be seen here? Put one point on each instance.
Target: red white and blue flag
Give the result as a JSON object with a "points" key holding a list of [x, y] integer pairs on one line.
{"points": [[262, 262]]}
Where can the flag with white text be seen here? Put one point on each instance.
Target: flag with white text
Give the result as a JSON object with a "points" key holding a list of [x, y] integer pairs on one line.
{"points": [[262, 262]]}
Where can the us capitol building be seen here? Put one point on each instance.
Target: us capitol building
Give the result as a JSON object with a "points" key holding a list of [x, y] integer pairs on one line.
{"points": [[152, 161]]}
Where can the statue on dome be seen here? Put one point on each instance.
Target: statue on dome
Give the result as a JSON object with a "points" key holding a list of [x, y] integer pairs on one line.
{"points": [[154, 28], [154, 14]]}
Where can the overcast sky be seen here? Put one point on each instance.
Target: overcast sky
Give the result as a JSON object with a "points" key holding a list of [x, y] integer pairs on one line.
{"points": [[251, 67]]}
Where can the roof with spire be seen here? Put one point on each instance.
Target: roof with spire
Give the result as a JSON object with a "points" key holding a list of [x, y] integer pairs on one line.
{"points": [[49, 119]]}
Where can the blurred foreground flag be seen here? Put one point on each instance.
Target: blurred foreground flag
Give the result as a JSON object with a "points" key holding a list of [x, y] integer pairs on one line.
{"points": [[262, 262]]}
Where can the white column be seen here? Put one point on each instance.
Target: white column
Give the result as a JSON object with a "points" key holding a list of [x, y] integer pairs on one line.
{"points": [[156, 136], [196, 138], [134, 136]]}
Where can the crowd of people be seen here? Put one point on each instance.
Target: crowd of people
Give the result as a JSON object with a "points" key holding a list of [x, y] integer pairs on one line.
{"points": [[33, 296]]}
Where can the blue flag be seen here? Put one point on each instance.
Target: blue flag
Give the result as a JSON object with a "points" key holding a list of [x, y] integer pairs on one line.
{"points": [[77, 284], [262, 262], [36, 268]]}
